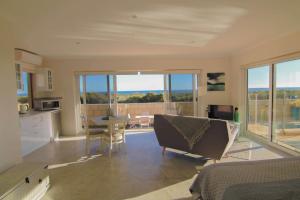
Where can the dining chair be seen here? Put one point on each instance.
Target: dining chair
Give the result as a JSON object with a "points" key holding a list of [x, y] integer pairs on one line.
{"points": [[115, 134], [132, 121], [92, 134], [144, 122]]}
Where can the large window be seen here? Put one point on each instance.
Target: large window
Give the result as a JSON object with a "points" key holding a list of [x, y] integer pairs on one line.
{"points": [[96, 87], [136, 95], [273, 111], [25, 94], [181, 87], [96, 93], [258, 100], [181, 94], [142, 88], [287, 103]]}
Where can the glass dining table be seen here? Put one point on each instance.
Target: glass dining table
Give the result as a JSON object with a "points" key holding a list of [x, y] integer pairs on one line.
{"points": [[107, 120]]}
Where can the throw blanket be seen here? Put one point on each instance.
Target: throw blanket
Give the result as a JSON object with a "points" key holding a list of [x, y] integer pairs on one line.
{"points": [[242, 180], [191, 128]]}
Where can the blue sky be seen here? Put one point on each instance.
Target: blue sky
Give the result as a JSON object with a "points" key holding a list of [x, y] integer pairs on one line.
{"points": [[182, 81], [138, 82], [287, 75], [95, 83], [153, 82], [258, 77], [25, 85]]}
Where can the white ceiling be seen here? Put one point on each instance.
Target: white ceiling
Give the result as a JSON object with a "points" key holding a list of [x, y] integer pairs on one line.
{"points": [[78, 28]]}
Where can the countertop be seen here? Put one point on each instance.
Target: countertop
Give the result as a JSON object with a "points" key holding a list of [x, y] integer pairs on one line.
{"points": [[36, 112]]}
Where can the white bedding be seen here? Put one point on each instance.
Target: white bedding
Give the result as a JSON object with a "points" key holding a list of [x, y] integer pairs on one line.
{"points": [[215, 182]]}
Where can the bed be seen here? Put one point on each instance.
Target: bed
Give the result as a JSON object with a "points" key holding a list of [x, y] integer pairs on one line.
{"points": [[251, 180]]}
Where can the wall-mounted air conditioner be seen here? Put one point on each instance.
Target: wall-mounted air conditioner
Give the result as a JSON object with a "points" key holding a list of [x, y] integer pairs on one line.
{"points": [[28, 57]]}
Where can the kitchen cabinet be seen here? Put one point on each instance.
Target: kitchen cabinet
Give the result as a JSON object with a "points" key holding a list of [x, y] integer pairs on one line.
{"points": [[19, 76], [38, 128], [36, 131], [44, 80]]}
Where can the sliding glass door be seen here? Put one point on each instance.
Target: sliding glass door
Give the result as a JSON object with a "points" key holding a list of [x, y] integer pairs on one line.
{"points": [[138, 96], [96, 95], [287, 104], [182, 94], [258, 101], [273, 102]]}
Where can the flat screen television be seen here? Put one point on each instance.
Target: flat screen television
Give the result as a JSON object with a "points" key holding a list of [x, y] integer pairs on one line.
{"points": [[220, 112]]}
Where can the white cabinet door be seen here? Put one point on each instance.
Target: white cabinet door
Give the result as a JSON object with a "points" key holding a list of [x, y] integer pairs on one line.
{"points": [[19, 77], [44, 80], [35, 132]]}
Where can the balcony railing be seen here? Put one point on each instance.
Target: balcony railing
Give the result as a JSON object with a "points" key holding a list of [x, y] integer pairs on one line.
{"points": [[138, 109], [286, 126]]}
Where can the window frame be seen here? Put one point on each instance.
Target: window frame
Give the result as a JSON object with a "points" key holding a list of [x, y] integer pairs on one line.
{"points": [[272, 95], [30, 92]]}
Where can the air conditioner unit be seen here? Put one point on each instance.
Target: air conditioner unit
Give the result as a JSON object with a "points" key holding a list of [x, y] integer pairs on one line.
{"points": [[28, 57]]}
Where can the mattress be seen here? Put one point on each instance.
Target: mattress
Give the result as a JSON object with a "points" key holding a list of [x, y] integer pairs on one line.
{"points": [[264, 179]]}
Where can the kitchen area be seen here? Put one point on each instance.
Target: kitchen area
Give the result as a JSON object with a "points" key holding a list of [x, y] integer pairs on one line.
{"points": [[39, 111]]}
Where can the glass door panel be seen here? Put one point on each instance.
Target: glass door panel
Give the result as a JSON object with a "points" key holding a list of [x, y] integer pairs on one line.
{"points": [[258, 100], [181, 95], [140, 96], [287, 104], [94, 95], [113, 94]]}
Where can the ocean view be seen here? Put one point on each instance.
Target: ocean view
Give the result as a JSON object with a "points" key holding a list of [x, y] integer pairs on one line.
{"points": [[152, 91], [280, 88], [20, 94], [141, 92]]}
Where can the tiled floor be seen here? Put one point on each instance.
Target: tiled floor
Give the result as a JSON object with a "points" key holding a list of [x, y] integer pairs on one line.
{"points": [[137, 171]]}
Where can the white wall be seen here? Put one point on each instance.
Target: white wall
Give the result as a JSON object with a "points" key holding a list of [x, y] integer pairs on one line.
{"points": [[64, 83], [9, 119]]}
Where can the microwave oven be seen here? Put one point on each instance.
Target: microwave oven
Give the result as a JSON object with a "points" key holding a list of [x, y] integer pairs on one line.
{"points": [[44, 104]]}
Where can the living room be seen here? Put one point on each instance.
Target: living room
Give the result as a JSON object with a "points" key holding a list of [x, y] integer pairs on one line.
{"points": [[256, 58]]}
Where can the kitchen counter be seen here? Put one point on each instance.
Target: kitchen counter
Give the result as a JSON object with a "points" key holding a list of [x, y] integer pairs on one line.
{"points": [[36, 112], [38, 128]]}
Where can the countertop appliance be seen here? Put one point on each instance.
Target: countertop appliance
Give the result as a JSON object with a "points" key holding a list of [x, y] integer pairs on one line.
{"points": [[48, 103], [23, 108]]}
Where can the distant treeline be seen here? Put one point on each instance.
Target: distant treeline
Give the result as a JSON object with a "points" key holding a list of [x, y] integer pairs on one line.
{"points": [[280, 94], [149, 97], [23, 99], [102, 98]]}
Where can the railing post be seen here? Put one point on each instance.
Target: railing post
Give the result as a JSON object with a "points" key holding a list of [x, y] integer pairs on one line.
{"points": [[256, 108], [284, 111]]}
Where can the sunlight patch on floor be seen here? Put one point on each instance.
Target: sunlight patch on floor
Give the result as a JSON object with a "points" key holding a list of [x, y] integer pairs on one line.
{"points": [[80, 160], [178, 191], [138, 131], [68, 138]]}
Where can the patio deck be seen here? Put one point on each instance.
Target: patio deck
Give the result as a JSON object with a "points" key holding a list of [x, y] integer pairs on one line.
{"points": [[136, 109], [289, 136]]}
